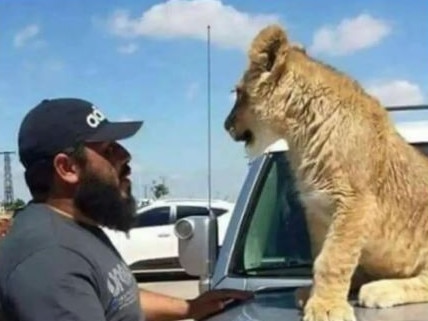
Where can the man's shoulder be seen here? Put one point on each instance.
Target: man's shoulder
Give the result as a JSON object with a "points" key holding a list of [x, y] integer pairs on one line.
{"points": [[46, 277], [37, 231], [52, 260], [25, 236], [58, 278], [42, 226], [32, 229], [45, 250]]}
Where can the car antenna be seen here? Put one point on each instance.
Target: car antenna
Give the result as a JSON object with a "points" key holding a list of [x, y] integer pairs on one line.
{"points": [[209, 112], [213, 228]]}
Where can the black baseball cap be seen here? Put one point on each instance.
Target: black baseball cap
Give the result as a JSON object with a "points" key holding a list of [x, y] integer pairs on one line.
{"points": [[56, 124]]}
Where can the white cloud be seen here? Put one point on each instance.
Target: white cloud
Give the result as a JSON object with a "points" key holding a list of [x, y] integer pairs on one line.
{"points": [[230, 28], [350, 35], [128, 49], [25, 35], [397, 92]]}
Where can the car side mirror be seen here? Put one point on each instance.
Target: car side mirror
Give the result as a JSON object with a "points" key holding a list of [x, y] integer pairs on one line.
{"points": [[197, 244]]}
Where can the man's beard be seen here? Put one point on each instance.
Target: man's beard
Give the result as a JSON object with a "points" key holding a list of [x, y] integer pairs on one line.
{"points": [[103, 202]]}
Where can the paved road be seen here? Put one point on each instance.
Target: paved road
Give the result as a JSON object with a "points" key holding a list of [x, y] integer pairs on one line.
{"points": [[182, 289]]}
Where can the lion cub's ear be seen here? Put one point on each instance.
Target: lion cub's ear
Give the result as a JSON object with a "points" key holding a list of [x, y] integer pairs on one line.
{"points": [[265, 46]]}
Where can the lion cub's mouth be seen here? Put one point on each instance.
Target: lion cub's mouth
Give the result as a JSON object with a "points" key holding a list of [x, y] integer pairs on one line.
{"points": [[246, 136]]}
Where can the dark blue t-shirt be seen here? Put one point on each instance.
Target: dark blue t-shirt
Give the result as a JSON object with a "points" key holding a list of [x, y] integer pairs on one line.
{"points": [[53, 268]]}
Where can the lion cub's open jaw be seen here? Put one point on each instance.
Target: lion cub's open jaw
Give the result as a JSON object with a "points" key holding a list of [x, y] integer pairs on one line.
{"points": [[246, 136], [255, 140]]}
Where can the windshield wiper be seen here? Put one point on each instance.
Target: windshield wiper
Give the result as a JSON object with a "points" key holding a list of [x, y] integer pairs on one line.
{"points": [[294, 264]]}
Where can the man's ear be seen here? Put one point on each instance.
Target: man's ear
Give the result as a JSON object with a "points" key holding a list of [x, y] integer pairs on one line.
{"points": [[66, 169]]}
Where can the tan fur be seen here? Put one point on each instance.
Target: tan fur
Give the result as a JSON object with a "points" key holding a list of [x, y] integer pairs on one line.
{"points": [[364, 187]]}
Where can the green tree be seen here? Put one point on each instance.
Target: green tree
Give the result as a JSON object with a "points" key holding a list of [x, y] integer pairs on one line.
{"points": [[159, 189], [16, 204]]}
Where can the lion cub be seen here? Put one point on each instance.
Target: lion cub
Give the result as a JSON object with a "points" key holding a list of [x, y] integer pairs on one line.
{"points": [[365, 189]]}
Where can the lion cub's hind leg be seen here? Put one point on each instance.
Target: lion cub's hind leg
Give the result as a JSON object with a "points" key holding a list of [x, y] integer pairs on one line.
{"points": [[390, 292]]}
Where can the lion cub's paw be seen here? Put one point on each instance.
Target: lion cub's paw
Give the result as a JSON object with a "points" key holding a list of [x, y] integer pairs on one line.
{"points": [[318, 309], [301, 296], [380, 294]]}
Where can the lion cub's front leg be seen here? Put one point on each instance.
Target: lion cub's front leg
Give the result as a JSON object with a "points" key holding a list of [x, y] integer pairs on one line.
{"points": [[336, 263]]}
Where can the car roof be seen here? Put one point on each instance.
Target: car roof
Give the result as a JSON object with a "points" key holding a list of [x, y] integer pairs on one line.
{"points": [[412, 131], [187, 202]]}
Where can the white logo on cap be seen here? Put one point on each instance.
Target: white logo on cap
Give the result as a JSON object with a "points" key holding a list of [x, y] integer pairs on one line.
{"points": [[95, 117]]}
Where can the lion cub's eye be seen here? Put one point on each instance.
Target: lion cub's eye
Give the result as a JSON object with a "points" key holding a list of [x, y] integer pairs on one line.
{"points": [[234, 92], [237, 91]]}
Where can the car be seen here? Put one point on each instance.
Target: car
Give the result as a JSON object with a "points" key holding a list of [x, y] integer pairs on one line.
{"points": [[266, 247], [151, 243]]}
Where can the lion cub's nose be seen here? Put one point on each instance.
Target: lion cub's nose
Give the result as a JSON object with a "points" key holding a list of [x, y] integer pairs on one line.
{"points": [[228, 124]]}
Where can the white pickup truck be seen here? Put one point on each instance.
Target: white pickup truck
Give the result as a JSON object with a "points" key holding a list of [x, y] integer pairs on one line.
{"points": [[151, 246], [266, 246]]}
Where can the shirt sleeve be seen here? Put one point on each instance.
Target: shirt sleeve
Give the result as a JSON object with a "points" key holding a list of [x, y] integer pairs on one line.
{"points": [[54, 284]]}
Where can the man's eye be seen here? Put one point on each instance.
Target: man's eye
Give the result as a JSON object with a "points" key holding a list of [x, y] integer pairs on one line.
{"points": [[109, 151]]}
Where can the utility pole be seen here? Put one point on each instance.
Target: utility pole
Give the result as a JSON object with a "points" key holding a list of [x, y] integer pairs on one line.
{"points": [[8, 182]]}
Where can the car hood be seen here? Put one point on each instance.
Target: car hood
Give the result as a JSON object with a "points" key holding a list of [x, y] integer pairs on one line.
{"points": [[279, 305]]}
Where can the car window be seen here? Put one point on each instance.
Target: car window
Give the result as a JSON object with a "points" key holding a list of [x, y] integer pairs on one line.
{"points": [[184, 211], [422, 147], [219, 211], [155, 217], [274, 239]]}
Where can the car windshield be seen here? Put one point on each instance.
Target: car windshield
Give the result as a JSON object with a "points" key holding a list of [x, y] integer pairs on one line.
{"points": [[274, 240]]}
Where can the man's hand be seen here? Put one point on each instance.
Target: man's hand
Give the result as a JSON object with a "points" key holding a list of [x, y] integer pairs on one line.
{"points": [[161, 307], [214, 301]]}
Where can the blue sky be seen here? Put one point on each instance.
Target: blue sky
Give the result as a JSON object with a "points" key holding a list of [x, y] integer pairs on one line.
{"points": [[147, 60]]}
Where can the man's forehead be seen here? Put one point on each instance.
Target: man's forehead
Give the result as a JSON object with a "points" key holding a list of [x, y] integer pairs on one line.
{"points": [[102, 146]]}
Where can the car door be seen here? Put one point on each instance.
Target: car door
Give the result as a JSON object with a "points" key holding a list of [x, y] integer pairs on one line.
{"points": [[150, 239]]}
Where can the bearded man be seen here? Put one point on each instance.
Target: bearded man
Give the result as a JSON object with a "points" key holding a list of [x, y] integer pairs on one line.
{"points": [[56, 263]]}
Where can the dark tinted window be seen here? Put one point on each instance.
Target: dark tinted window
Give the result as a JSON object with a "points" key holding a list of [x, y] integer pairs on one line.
{"points": [[154, 217], [274, 234], [184, 211], [422, 147], [219, 211]]}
